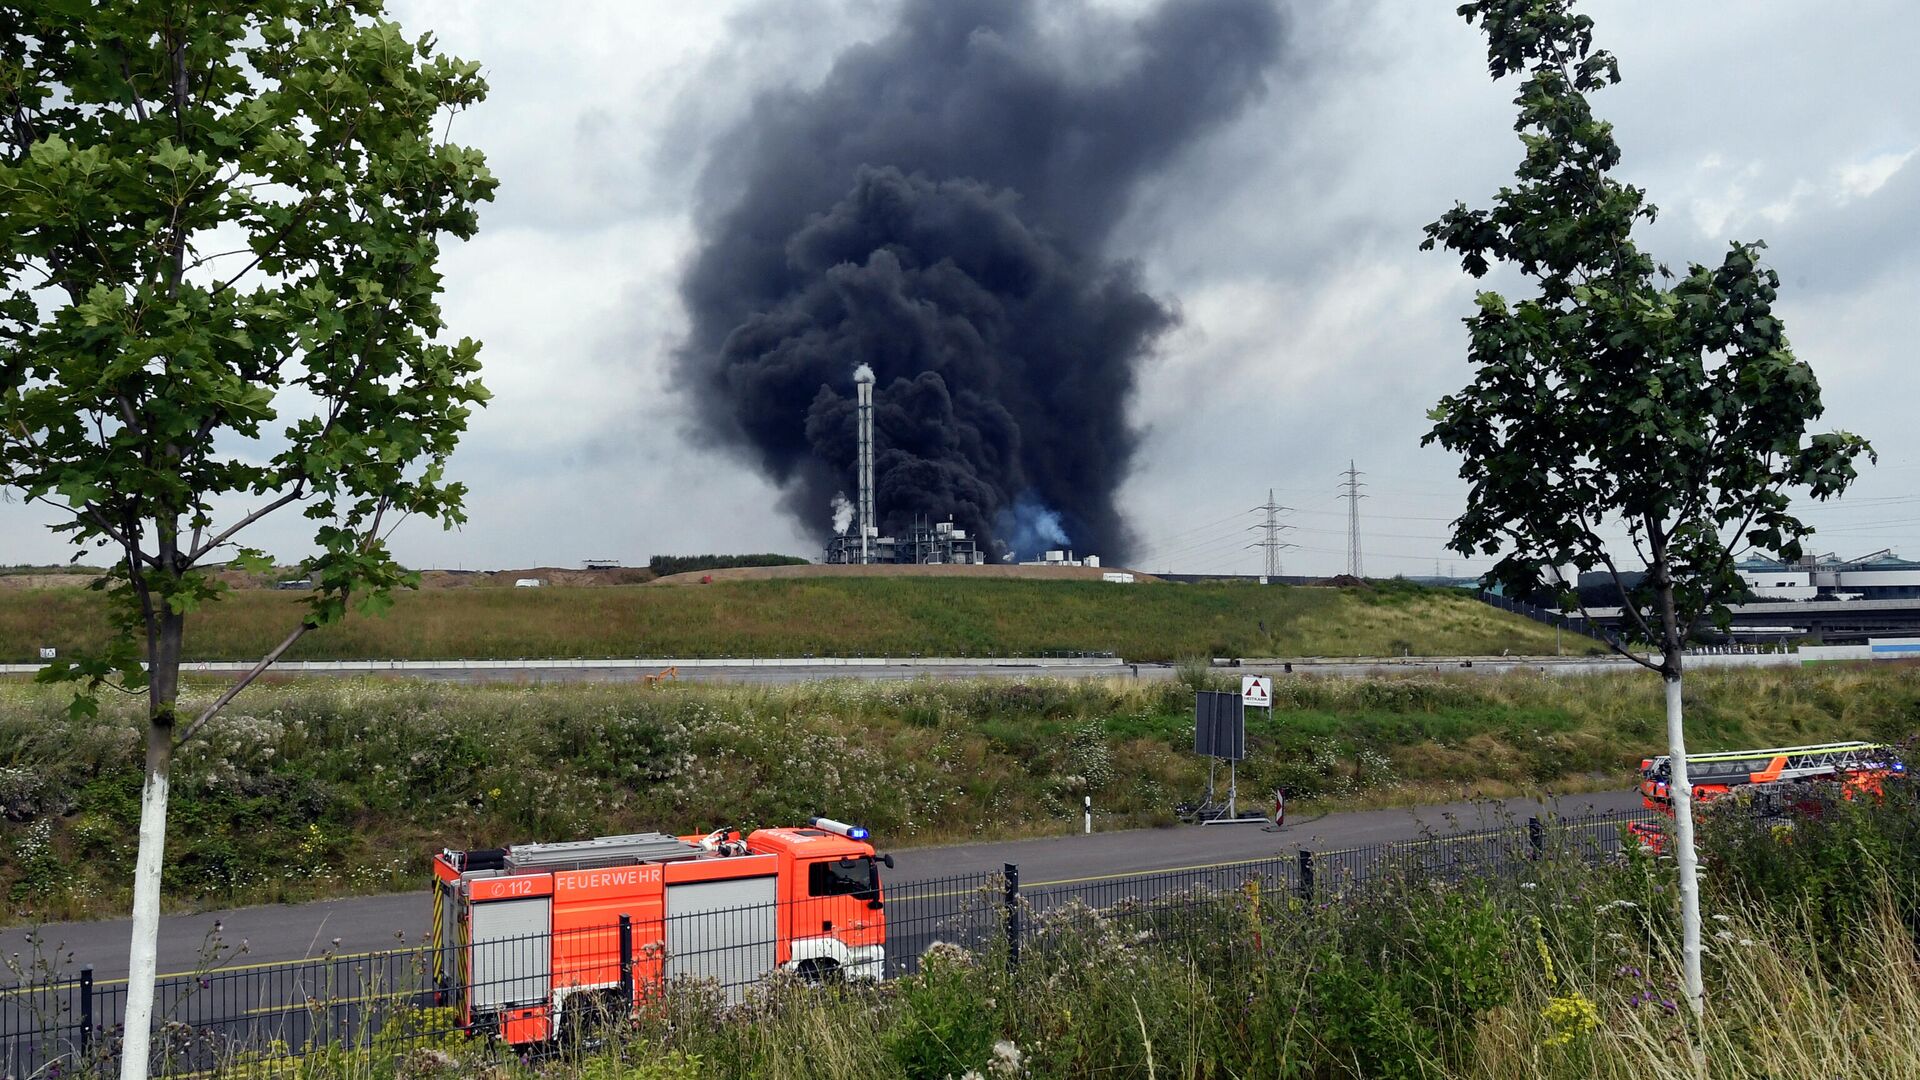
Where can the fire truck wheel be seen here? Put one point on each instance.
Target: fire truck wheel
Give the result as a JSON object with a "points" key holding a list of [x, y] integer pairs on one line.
{"points": [[820, 972]]}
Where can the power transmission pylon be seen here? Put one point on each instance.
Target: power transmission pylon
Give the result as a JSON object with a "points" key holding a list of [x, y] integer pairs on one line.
{"points": [[1352, 486], [1272, 528]]}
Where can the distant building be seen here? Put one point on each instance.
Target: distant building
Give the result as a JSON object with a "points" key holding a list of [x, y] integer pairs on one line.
{"points": [[1880, 575], [927, 543], [1063, 558]]}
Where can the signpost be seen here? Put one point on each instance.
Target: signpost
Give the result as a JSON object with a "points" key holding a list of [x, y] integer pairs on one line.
{"points": [[1220, 732]]}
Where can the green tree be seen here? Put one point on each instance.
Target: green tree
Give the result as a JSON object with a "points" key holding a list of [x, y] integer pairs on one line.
{"points": [[221, 223], [1619, 396]]}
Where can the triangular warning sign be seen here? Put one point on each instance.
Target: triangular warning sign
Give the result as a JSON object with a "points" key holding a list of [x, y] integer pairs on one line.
{"points": [[1256, 690]]}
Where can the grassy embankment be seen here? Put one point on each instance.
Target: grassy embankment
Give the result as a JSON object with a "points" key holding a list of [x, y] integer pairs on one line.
{"points": [[329, 787], [830, 617]]}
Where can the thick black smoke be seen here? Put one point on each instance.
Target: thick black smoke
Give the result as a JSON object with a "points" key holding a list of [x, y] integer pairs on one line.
{"points": [[938, 208]]}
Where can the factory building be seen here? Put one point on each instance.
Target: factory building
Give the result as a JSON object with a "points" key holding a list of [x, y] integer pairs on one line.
{"points": [[928, 542], [1063, 558], [1881, 575]]}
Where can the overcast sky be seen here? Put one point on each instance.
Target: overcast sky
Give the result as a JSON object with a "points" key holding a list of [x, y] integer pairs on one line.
{"points": [[1313, 329]]}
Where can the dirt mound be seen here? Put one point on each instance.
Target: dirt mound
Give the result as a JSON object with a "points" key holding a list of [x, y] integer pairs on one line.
{"points": [[769, 573], [549, 576], [46, 581]]}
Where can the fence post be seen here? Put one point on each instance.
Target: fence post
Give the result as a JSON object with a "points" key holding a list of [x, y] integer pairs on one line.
{"points": [[86, 1012], [1013, 915], [1536, 837], [626, 962], [1306, 875]]}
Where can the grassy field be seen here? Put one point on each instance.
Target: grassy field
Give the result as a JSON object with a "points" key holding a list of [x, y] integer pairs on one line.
{"points": [[326, 787], [829, 617]]}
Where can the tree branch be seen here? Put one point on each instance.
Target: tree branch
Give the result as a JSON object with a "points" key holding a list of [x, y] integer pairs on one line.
{"points": [[1599, 550], [245, 681], [1611, 642], [133, 92], [299, 213], [267, 661], [336, 406], [298, 493]]}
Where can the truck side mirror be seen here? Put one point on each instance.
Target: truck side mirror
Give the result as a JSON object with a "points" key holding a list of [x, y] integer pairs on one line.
{"points": [[887, 861]]}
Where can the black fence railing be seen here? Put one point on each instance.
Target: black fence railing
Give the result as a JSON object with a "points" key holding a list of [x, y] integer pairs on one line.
{"points": [[560, 984], [1560, 619]]}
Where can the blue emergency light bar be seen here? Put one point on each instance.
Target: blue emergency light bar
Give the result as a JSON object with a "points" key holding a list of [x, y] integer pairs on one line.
{"points": [[851, 832]]}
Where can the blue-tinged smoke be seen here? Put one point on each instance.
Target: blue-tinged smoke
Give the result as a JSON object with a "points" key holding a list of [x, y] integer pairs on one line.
{"points": [[1028, 528]]}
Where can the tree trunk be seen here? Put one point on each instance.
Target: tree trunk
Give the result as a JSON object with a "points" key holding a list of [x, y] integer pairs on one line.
{"points": [[1679, 787], [163, 690], [1680, 791], [1673, 637]]}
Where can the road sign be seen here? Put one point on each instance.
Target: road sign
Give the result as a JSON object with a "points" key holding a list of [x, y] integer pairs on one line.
{"points": [[1219, 725], [1257, 690], [46, 653]]}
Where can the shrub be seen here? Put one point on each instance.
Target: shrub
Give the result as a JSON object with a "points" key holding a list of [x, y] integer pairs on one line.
{"points": [[944, 1029]]}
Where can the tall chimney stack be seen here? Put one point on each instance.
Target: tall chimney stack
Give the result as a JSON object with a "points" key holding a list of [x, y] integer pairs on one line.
{"points": [[863, 386]]}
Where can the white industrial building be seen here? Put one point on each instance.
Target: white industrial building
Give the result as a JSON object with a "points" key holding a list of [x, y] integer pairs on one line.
{"points": [[1063, 558], [1881, 575]]}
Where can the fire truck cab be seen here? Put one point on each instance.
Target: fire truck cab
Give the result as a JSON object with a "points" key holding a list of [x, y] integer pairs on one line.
{"points": [[541, 930]]}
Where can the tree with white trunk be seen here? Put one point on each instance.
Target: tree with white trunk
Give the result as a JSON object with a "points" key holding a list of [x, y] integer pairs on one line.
{"points": [[1622, 411], [220, 223]]}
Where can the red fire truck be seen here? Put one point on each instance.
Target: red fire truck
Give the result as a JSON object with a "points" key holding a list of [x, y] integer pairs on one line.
{"points": [[1776, 775], [542, 932]]}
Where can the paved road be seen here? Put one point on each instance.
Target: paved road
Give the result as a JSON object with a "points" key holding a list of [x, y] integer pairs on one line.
{"points": [[361, 924]]}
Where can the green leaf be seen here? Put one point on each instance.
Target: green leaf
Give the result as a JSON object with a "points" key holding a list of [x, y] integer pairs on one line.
{"points": [[1607, 396], [315, 139]]}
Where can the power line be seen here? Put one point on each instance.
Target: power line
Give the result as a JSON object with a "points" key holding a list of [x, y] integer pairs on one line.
{"points": [[1272, 528], [1352, 494]]}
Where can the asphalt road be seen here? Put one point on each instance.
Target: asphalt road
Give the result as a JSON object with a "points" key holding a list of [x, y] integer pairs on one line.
{"points": [[192, 943]]}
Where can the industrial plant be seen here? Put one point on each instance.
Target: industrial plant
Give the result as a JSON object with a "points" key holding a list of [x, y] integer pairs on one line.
{"points": [[927, 542]]}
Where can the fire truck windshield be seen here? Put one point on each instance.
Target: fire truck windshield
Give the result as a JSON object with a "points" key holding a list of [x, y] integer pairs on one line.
{"points": [[843, 877]]}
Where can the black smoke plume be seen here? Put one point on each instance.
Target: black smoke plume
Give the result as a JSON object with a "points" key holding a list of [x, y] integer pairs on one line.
{"points": [[938, 208]]}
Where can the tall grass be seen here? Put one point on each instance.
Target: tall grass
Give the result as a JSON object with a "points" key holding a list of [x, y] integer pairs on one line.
{"points": [[826, 617], [324, 787]]}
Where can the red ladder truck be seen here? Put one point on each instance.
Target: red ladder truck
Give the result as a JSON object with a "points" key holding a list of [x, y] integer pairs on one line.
{"points": [[544, 932], [1858, 767]]}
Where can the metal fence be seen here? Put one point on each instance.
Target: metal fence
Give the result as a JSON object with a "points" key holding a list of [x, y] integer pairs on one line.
{"points": [[571, 979], [1582, 626]]}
